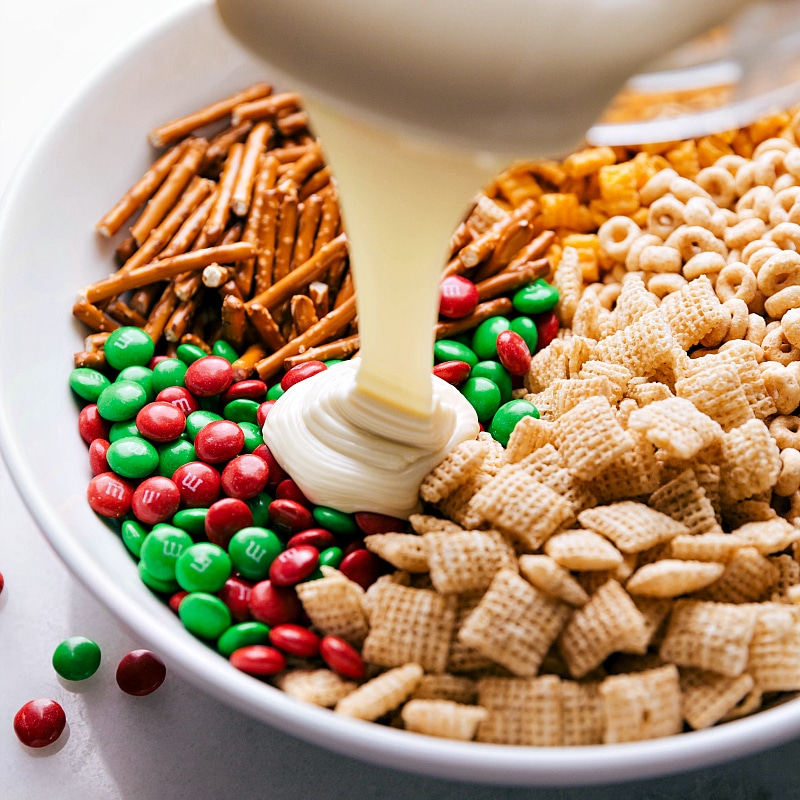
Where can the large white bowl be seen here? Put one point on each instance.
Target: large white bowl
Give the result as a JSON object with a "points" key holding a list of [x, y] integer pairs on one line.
{"points": [[48, 250]]}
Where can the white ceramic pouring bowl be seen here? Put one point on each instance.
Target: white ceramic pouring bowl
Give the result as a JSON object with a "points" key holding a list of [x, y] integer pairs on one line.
{"points": [[79, 167]]}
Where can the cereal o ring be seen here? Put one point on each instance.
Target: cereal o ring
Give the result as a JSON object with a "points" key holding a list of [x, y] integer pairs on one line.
{"points": [[786, 235], [657, 186], [790, 324], [736, 280], [665, 216], [690, 240], [755, 202], [789, 477], [785, 430], [779, 271], [706, 263], [616, 235], [777, 348], [783, 301], [662, 284]]}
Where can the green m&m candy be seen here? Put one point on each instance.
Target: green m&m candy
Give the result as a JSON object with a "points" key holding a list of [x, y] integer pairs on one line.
{"points": [[88, 383], [204, 615], [507, 416], [451, 350], [132, 457], [498, 374], [76, 658], [483, 395], [242, 634], [169, 372], [162, 548], [252, 550], [128, 346], [202, 567], [121, 400], [535, 298], [484, 340]]}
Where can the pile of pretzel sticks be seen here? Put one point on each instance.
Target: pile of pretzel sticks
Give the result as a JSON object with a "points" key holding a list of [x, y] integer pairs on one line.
{"points": [[239, 237]]}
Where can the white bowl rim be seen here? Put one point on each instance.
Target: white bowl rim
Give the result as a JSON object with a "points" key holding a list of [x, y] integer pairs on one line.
{"points": [[464, 761]]}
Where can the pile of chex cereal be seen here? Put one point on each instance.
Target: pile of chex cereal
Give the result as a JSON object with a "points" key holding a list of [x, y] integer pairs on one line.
{"points": [[627, 567]]}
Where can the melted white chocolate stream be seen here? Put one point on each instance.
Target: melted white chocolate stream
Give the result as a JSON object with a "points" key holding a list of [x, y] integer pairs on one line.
{"points": [[352, 452]]}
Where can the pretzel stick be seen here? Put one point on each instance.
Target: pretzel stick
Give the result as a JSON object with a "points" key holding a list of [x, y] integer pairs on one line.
{"points": [[292, 123], [514, 238], [268, 231], [234, 320], [124, 250], [177, 128], [245, 365], [243, 187], [180, 319], [218, 218], [95, 341], [265, 107], [164, 199], [304, 315], [219, 146], [215, 276], [161, 312], [301, 170], [507, 231], [319, 293], [328, 223], [264, 181], [347, 289], [319, 183], [310, 270], [165, 268], [307, 229], [339, 348], [136, 196], [161, 236], [124, 314], [460, 237], [90, 360], [533, 251], [187, 284], [93, 317], [265, 326], [325, 328], [510, 279], [287, 229], [499, 307], [190, 230], [230, 288], [292, 152]]}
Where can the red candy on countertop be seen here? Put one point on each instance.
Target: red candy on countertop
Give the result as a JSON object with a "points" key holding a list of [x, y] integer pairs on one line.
{"points": [[140, 672], [39, 722]]}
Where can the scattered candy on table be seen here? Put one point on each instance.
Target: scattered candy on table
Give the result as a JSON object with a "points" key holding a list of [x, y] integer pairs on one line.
{"points": [[39, 722], [76, 658], [140, 673]]}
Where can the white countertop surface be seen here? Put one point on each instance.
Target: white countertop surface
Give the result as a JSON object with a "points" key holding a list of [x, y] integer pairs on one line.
{"points": [[180, 743]]}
